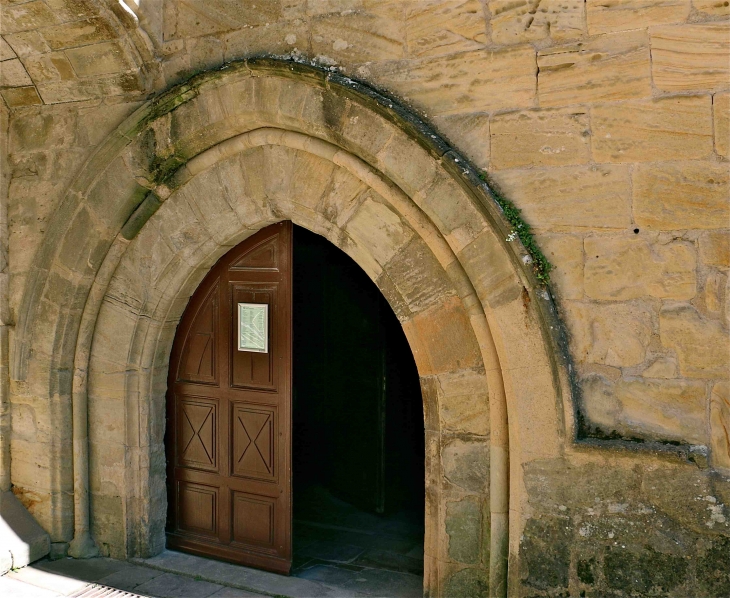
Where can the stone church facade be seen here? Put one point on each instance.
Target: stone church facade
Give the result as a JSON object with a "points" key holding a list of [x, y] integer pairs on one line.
{"points": [[540, 189]]}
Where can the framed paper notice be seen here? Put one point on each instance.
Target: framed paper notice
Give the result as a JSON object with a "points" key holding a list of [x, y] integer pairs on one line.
{"points": [[253, 327]]}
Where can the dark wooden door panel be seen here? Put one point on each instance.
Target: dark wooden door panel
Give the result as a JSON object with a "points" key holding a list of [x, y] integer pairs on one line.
{"points": [[254, 520], [197, 433], [255, 371], [229, 412], [198, 361], [263, 256], [253, 431], [198, 508]]}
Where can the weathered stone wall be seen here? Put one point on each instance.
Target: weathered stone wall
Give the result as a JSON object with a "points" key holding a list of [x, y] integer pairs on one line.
{"points": [[48, 146], [605, 122], [57, 51], [623, 524], [428, 258]]}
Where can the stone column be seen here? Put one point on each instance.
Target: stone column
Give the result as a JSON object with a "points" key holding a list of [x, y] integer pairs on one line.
{"points": [[4, 305]]}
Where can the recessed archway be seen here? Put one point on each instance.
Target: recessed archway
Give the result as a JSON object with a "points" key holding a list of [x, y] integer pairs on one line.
{"points": [[196, 171]]}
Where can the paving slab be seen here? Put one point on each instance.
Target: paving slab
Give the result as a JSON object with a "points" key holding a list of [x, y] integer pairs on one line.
{"points": [[56, 582], [170, 585], [130, 577], [85, 569], [368, 582], [236, 593], [327, 550], [376, 558], [18, 589], [239, 577]]}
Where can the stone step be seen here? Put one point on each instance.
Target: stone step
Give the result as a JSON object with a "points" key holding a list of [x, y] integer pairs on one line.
{"points": [[22, 539]]}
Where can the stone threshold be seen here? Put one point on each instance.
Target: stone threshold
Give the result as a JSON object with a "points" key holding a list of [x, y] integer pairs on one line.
{"points": [[242, 578]]}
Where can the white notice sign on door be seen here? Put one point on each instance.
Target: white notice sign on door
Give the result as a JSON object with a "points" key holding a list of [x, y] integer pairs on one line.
{"points": [[253, 327]]}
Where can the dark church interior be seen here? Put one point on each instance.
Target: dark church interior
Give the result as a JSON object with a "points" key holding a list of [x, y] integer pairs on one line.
{"points": [[358, 444]]}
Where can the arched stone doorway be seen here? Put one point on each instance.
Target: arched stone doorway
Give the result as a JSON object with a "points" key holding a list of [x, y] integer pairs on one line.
{"points": [[197, 170]]}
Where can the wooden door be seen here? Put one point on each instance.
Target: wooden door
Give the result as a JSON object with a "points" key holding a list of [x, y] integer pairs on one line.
{"points": [[229, 410]]}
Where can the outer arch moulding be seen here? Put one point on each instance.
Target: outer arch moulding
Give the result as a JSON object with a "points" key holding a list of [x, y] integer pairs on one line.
{"points": [[461, 169]]}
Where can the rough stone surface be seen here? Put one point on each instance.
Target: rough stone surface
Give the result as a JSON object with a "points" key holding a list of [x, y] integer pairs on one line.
{"points": [[655, 409], [701, 344], [369, 35], [473, 81], [643, 571], [466, 582], [715, 248], [616, 335], [609, 67], [21, 96], [13, 74], [468, 132], [547, 545], [673, 128], [604, 17], [721, 112], [99, 59], [458, 348], [682, 195], [690, 57], [540, 138], [624, 128], [533, 20], [464, 402], [614, 542], [720, 424], [571, 198], [711, 571], [463, 526], [465, 464], [714, 293], [434, 27], [662, 367], [629, 267], [565, 253], [715, 8]]}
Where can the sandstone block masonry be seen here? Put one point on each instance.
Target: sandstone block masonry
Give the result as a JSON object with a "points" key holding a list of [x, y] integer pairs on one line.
{"points": [[606, 123]]}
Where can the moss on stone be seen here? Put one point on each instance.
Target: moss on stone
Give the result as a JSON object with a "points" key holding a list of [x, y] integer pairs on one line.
{"points": [[713, 569], [162, 169], [463, 526], [546, 552], [467, 583], [644, 572], [586, 571]]}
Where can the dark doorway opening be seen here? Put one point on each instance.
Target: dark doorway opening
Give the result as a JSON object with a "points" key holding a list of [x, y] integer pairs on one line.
{"points": [[358, 434]]}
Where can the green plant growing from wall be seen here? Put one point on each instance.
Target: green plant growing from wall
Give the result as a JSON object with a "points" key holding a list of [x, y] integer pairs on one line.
{"points": [[520, 229]]}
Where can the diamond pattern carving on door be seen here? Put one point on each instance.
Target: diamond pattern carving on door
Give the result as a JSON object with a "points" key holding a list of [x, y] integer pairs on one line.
{"points": [[197, 433], [254, 441]]}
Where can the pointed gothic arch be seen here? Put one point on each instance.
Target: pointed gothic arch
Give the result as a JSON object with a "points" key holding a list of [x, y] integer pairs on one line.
{"points": [[196, 170]]}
